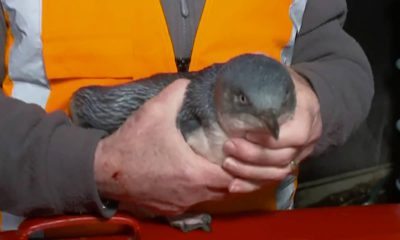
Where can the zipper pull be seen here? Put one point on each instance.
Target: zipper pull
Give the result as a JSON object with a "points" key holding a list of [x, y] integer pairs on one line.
{"points": [[184, 8]]}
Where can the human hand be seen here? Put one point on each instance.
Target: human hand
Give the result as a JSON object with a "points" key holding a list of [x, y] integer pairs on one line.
{"points": [[147, 162], [260, 159]]}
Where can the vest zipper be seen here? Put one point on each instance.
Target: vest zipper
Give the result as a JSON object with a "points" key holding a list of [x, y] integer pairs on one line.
{"points": [[182, 64], [184, 8]]}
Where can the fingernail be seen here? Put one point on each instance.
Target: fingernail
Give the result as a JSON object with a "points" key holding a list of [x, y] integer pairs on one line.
{"points": [[234, 188], [229, 163], [238, 187], [251, 137], [230, 145]]}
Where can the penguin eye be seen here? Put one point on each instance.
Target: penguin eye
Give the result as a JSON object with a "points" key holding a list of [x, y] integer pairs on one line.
{"points": [[242, 99]]}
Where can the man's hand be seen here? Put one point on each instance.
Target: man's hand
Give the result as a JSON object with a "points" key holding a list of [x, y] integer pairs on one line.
{"points": [[260, 159], [148, 163]]}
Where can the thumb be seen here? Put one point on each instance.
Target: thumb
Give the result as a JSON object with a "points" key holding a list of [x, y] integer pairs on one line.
{"points": [[213, 175], [171, 97]]}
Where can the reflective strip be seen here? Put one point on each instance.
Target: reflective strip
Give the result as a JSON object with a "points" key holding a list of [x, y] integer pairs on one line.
{"points": [[25, 67], [10, 222], [287, 189], [285, 193], [31, 93], [296, 13]]}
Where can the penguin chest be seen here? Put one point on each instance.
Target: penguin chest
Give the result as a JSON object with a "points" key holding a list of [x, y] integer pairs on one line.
{"points": [[208, 142]]}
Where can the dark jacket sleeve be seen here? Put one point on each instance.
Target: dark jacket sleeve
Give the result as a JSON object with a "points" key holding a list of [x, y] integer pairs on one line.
{"points": [[46, 164], [337, 69]]}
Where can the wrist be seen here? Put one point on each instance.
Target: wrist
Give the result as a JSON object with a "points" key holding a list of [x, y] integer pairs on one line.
{"points": [[106, 170], [305, 88]]}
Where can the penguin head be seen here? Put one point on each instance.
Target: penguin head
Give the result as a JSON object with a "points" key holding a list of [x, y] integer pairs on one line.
{"points": [[254, 93]]}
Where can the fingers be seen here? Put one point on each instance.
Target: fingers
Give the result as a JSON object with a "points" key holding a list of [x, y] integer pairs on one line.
{"points": [[212, 175], [292, 134], [258, 166], [254, 172], [259, 155], [165, 209], [214, 195], [304, 127], [244, 186], [255, 163]]}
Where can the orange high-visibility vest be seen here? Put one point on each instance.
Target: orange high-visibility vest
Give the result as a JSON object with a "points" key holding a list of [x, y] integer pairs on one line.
{"points": [[56, 47]]}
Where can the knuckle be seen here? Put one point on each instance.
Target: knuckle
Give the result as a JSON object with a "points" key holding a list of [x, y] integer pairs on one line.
{"points": [[180, 211], [189, 201], [282, 161], [287, 157], [190, 176], [230, 165], [184, 205], [153, 109], [276, 157], [181, 200], [255, 155], [173, 211], [302, 137], [214, 197], [244, 172], [196, 182]]}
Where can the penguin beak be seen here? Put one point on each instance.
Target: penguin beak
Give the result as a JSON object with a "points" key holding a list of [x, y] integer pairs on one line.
{"points": [[271, 122]]}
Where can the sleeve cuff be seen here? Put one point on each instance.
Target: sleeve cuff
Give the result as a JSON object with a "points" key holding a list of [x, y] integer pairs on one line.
{"points": [[328, 113], [71, 172]]}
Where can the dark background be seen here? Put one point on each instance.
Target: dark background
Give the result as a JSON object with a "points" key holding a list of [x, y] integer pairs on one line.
{"points": [[375, 25]]}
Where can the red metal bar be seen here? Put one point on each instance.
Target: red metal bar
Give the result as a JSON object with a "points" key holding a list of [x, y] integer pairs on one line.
{"points": [[359, 222], [120, 226], [379, 222]]}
